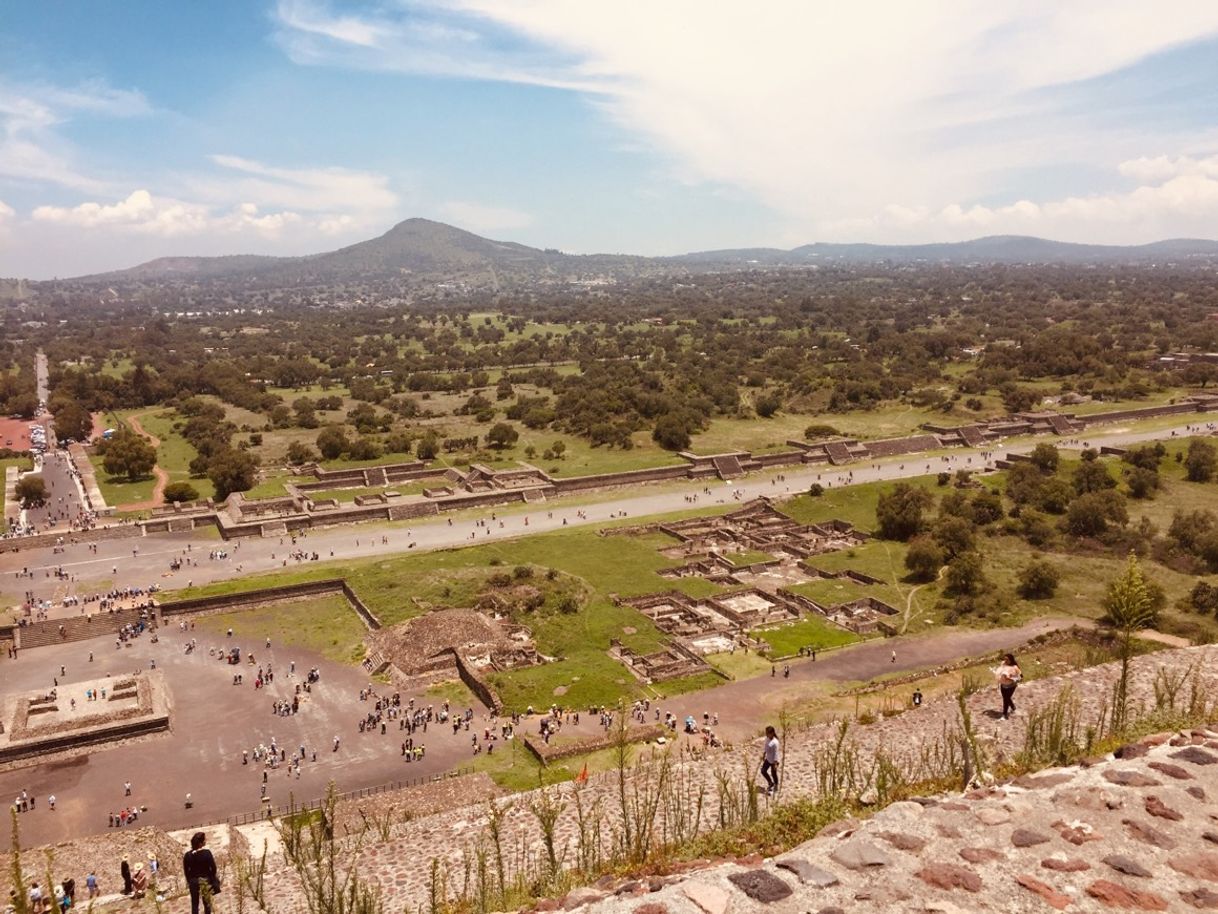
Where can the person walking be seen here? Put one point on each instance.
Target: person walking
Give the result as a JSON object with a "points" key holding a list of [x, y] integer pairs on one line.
{"points": [[199, 867], [124, 870], [1009, 675], [769, 761]]}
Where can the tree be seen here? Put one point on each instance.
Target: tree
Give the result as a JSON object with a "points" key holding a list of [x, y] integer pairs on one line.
{"points": [[986, 508], [180, 491], [923, 559], [428, 447], [965, 574], [1035, 527], [31, 490], [1129, 607], [502, 435], [1143, 483], [1204, 598], [231, 471], [1090, 515], [72, 421], [128, 454], [671, 432], [898, 513], [1018, 399], [332, 442], [1200, 461], [299, 452], [365, 449], [954, 535], [1092, 476], [1054, 496], [306, 413], [767, 405], [1045, 457], [1038, 580]]}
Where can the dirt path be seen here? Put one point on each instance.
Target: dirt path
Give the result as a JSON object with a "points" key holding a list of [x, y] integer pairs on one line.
{"points": [[162, 478]]}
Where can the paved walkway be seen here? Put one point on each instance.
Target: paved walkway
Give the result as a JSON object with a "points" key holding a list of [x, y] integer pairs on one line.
{"points": [[741, 704]]}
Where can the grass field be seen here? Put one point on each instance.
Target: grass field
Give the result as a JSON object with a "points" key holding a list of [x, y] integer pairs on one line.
{"points": [[326, 625], [22, 464], [405, 586], [174, 453], [810, 632], [118, 491]]}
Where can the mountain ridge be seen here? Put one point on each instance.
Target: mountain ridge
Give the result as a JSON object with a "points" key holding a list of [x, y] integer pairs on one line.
{"points": [[424, 246]]}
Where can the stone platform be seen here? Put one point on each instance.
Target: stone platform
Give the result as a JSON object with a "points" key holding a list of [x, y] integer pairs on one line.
{"points": [[50, 721]]}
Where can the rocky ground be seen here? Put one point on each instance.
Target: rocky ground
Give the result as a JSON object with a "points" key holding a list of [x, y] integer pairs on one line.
{"points": [[1138, 832]]}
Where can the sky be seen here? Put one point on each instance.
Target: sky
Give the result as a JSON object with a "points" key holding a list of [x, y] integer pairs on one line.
{"points": [[132, 130]]}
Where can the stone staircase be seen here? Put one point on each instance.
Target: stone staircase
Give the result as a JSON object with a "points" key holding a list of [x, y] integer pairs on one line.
{"points": [[972, 436], [78, 628], [375, 662], [273, 528], [1061, 425], [728, 467], [376, 476], [533, 496], [838, 453]]}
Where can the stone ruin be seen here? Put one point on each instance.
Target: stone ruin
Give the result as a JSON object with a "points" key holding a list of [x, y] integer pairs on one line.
{"points": [[760, 527], [432, 645], [34, 723], [677, 614], [673, 660]]}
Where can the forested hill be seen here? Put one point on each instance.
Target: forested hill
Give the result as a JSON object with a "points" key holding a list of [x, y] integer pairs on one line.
{"points": [[432, 251]]}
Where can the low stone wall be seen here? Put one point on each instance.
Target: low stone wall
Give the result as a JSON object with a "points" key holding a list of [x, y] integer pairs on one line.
{"points": [[484, 691], [361, 608], [1142, 412], [104, 733], [546, 753], [250, 598], [781, 458], [41, 540], [655, 474]]}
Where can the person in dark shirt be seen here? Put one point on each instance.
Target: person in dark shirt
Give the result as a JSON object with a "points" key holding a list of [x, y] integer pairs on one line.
{"points": [[200, 868]]}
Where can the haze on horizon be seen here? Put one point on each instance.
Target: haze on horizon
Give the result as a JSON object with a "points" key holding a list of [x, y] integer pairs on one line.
{"points": [[142, 130]]}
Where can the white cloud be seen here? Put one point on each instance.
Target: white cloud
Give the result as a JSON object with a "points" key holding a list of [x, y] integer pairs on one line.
{"points": [[6, 211], [826, 112], [31, 147], [313, 189], [1183, 204], [436, 43], [477, 217], [1160, 168], [143, 213]]}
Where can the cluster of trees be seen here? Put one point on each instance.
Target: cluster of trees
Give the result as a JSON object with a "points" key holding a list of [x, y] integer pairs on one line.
{"points": [[652, 356], [943, 533], [230, 469]]}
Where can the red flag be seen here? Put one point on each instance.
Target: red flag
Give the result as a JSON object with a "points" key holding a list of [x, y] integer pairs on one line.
{"points": [[583, 775]]}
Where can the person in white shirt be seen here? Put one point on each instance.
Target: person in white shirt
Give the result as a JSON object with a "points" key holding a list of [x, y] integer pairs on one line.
{"points": [[1009, 675], [769, 761]]}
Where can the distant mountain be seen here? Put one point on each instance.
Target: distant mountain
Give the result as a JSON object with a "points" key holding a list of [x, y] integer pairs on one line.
{"points": [[415, 246], [435, 252], [991, 249]]}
